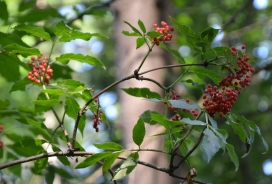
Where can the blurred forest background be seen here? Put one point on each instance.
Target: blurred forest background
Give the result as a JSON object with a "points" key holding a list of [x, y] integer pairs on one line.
{"points": [[241, 22]]}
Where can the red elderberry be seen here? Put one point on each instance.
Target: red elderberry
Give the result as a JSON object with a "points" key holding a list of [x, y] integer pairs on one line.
{"points": [[1, 144], [1, 128], [39, 65], [165, 33]]}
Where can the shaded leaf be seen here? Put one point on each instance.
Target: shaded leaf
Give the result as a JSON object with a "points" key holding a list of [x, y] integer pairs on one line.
{"points": [[3, 11], [60, 29], [138, 132], [183, 104], [192, 122], [20, 85], [146, 117], [14, 48], [175, 53], [34, 31], [233, 156], [140, 42], [201, 73], [70, 85], [109, 161], [127, 166], [29, 142], [210, 144], [65, 58], [39, 165], [58, 92], [9, 67], [127, 33], [109, 146], [48, 103], [142, 92], [93, 159]]}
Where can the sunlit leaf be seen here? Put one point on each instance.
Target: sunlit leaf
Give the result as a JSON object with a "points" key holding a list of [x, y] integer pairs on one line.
{"points": [[175, 53], [183, 104], [142, 26], [201, 73], [18, 49], [109, 146], [192, 122], [48, 103], [133, 28], [142, 92], [140, 42], [109, 161], [34, 31], [93, 159]]}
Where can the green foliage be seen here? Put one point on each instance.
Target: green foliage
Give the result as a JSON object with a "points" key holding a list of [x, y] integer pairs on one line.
{"points": [[138, 132], [142, 93]]}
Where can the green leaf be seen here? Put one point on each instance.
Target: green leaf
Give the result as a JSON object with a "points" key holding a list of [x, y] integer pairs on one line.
{"points": [[60, 29], [209, 34], [93, 159], [39, 165], [18, 49], [201, 73], [109, 161], [37, 14], [29, 142], [162, 120], [63, 173], [175, 53], [192, 122], [57, 92], [63, 160], [24, 5], [48, 103], [9, 67], [3, 11], [140, 42], [142, 93], [142, 26], [210, 144], [138, 132], [133, 28], [72, 111], [33, 123], [238, 128], [20, 85], [127, 33], [153, 34], [70, 85], [146, 117], [4, 104], [34, 31], [233, 156], [65, 58], [72, 35], [127, 166], [7, 39], [109, 146], [183, 104]]}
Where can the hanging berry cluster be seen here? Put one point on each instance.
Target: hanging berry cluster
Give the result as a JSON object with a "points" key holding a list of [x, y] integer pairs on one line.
{"points": [[97, 116], [174, 96], [1, 142], [39, 67], [165, 31], [221, 101]]}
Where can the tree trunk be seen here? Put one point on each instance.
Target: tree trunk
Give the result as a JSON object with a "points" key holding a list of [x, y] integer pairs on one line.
{"points": [[127, 60]]}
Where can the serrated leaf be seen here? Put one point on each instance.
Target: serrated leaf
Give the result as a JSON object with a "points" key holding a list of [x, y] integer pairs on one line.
{"points": [[238, 128], [93, 159], [209, 33], [208, 73], [210, 144], [127, 33], [127, 166], [39, 165], [109, 161], [133, 28], [140, 42], [14, 48], [73, 34], [34, 31], [138, 132], [161, 119], [29, 142], [58, 92], [7, 39], [65, 58], [3, 11], [146, 117], [233, 156], [9, 67], [192, 122], [70, 84], [60, 29], [20, 85], [109, 146], [142, 92], [33, 123], [183, 104], [47, 103], [175, 53], [142, 26]]}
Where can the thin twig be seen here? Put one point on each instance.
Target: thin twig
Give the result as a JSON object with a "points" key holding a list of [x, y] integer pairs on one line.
{"points": [[110, 171]]}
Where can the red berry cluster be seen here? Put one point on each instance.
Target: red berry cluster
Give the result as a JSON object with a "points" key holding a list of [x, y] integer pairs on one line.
{"points": [[1, 142], [221, 101], [39, 67], [177, 117], [164, 30], [97, 116]]}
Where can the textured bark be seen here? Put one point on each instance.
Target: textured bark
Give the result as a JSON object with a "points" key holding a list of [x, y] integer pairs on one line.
{"points": [[127, 60]]}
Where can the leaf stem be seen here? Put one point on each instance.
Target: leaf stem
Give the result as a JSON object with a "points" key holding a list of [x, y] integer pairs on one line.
{"points": [[147, 54]]}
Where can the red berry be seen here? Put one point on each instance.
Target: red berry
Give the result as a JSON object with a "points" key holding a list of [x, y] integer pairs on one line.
{"points": [[33, 58], [243, 46], [1, 128], [1, 144]]}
